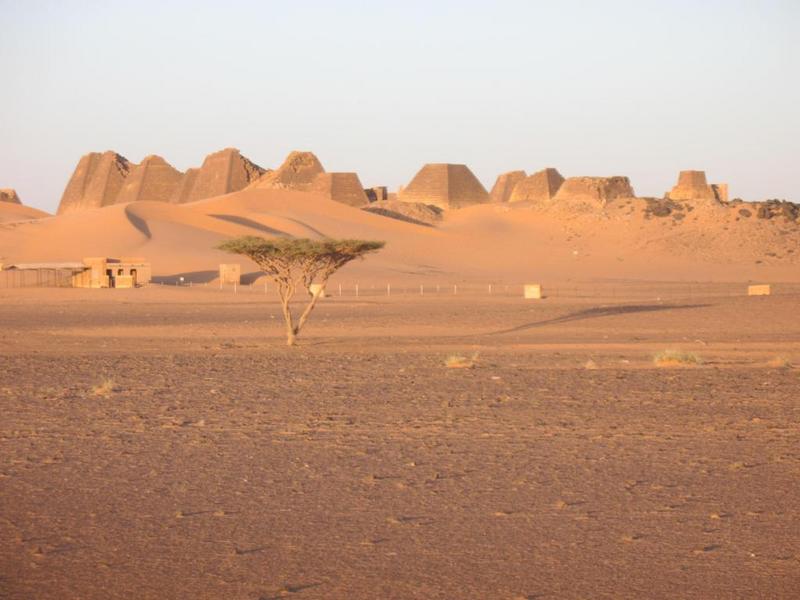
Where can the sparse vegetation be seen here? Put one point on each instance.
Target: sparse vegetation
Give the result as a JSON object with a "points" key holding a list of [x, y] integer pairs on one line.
{"points": [[676, 358], [296, 263], [779, 362], [456, 361], [105, 388]]}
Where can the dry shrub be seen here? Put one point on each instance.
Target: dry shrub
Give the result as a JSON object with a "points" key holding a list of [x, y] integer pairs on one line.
{"points": [[676, 358], [105, 388], [779, 362], [455, 361]]}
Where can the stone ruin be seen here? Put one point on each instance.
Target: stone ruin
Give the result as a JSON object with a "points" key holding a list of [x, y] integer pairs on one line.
{"points": [[9, 195], [540, 187], [593, 191], [504, 185], [445, 186], [377, 193], [102, 179], [340, 187], [96, 181], [410, 212], [153, 179], [692, 185], [297, 172]]}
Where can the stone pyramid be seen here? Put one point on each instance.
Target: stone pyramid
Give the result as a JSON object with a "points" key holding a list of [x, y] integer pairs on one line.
{"points": [[9, 195], [222, 172], [504, 185], [540, 187], [340, 187], [96, 181], [445, 186], [297, 172], [154, 179]]}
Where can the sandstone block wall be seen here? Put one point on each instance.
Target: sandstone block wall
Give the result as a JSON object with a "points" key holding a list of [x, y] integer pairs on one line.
{"points": [[9, 195], [720, 192], [445, 186], [593, 191], [230, 273], [504, 185], [540, 187]]}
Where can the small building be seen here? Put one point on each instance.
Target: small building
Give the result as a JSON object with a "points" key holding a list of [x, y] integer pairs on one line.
{"points": [[92, 272], [230, 273]]}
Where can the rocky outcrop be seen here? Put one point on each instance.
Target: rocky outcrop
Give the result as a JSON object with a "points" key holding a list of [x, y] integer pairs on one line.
{"points": [[221, 173], [593, 192], [340, 187], [540, 187], [504, 185], [9, 195], [96, 182], [154, 179], [446, 186], [411, 212], [692, 185], [297, 172]]}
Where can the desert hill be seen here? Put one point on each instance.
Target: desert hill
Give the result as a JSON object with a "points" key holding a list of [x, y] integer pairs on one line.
{"points": [[630, 238]]}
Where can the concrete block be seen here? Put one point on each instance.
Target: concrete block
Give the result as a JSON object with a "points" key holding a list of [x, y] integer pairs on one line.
{"points": [[533, 291], [759, 290]]}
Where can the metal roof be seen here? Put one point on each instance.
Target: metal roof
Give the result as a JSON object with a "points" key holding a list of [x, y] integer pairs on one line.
{"points": [[71, 266]]}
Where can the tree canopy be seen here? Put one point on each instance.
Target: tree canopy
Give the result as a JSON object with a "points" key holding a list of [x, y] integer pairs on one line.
{"points": [[299, 262]]}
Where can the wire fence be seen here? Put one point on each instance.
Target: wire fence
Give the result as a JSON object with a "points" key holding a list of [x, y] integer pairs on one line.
{"points": [[622, 290]]}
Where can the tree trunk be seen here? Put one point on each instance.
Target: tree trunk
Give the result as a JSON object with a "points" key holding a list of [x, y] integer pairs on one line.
{"points": [[291, 330]]}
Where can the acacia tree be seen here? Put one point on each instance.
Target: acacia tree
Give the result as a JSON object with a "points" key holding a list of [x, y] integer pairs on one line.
{"points": [[296, 263]]}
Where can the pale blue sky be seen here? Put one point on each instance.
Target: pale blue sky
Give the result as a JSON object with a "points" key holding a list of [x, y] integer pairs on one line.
{"points": [[637, 88]]}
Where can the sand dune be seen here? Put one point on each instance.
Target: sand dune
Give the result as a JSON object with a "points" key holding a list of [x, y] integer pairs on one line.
{"points": [[13, 213], [494, 242]]}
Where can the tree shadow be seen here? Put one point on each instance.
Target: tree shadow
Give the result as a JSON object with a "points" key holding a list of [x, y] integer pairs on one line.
{"points": [[597, 312]]}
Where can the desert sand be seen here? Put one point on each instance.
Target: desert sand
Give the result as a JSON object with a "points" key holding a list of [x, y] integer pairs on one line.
{"points": [[162, 442]]}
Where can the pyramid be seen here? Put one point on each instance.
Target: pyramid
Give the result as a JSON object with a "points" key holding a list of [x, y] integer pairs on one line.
{"points": [[540, 187], [445, 186], [593, 191], [96, 181], [297, 172], [340, 187], [183, 190], [9, 195], [692, 186], [504, 185], [154, 179], [222, 172]]}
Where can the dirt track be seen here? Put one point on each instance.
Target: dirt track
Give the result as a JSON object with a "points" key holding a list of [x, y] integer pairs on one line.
{"points": [[357, 466]]}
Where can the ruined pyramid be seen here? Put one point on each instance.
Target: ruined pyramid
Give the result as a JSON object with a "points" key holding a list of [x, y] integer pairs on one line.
{"points": [[592, 192], [9, 195], [153, 179], [297, 172], [340, 187], [96, 181], [221, 173], [444, 185], [692, 186]]}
